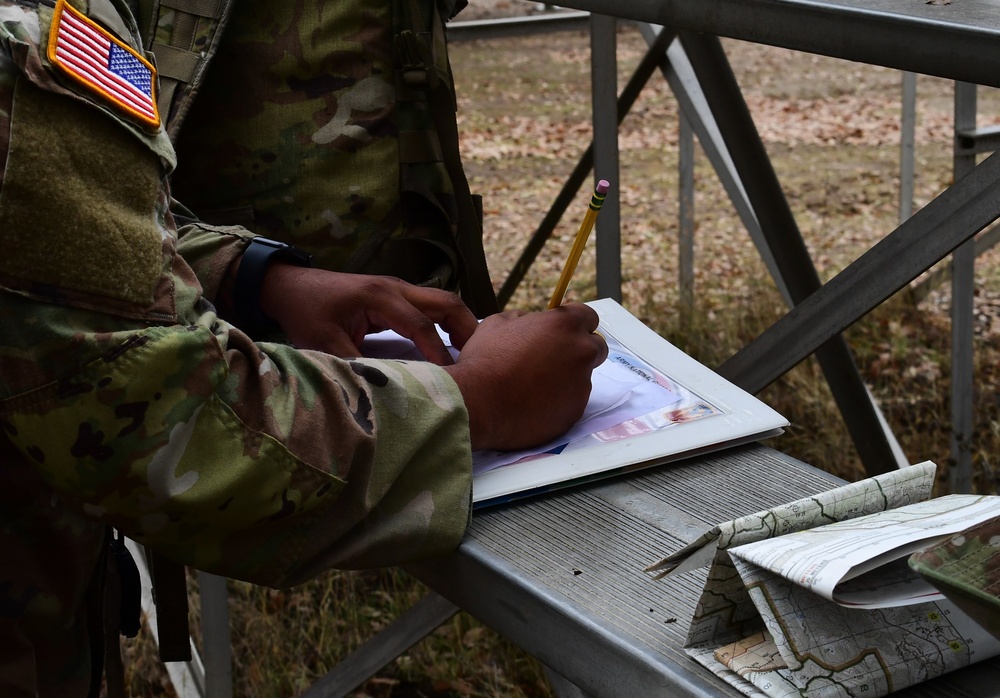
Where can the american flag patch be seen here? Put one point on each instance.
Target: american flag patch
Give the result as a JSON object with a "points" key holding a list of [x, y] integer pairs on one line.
{"points": [[91, 56]]}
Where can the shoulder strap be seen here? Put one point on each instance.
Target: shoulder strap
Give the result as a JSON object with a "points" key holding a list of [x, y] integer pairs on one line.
{"points": [[170, 596], [450, 8], [416, 45], [182, 34]]}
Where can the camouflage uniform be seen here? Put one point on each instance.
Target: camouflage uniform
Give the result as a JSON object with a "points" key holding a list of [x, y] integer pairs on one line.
{"points": [[126, 401], [966, 568]]}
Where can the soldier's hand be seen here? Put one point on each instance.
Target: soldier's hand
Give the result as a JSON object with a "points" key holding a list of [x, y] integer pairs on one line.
{"points": [[526, 378], [333, 312]]}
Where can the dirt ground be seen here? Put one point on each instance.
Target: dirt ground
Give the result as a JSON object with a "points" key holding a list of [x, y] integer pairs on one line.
{"points": [[832, 129]]}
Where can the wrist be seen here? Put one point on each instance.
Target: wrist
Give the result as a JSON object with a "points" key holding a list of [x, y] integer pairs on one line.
{"points": [[481, 426], [257, 258]]}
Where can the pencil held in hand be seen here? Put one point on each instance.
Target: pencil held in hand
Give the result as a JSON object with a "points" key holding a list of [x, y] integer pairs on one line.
{"points": [[596, 201]]}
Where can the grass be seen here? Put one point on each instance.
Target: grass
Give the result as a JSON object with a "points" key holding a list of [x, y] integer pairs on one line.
{"points": [[831, 129]]}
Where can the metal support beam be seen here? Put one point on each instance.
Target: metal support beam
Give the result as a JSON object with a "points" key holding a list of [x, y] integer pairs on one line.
{"points": [[647, 66], [604, 96], [187, 678], [927, 237], [215, 635], [877, 449], [685, 227], [907, 138], [419, 621], [517, 26], [667, 55], [977, 140], [963, 286], [677, 71]]}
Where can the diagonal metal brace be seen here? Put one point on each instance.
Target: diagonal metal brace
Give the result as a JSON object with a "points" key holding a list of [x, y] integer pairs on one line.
{"points": [[927, 237]]}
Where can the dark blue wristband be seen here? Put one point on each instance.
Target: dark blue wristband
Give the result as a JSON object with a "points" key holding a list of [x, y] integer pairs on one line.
{"points": [[257, 257]]}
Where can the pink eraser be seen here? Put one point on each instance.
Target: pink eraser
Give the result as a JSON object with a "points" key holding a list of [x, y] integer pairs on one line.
{"points": [[602, 186]]}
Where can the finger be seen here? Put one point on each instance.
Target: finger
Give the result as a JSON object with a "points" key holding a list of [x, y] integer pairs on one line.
{"points": [[411, 323], [334, 342], [602, 348], [447, 310], [430, 344], [585, 316], [587, 321], [386, 304]]}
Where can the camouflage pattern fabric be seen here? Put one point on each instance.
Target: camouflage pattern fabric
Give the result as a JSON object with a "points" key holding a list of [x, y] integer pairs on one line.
{"points": [[141, 409], [966, 568], [305, 130]]}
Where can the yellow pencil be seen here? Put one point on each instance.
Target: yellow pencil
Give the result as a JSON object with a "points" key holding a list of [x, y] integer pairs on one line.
{"points": [[596, 201]]}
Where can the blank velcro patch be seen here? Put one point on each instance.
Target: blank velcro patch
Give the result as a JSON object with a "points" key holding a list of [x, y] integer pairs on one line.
{"points": [[78, 203], [97, 60]]}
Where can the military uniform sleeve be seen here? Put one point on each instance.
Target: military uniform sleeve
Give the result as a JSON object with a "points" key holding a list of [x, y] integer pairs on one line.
{"points": [[254, 461], [127, 402], [210, 250], [143, 410]]}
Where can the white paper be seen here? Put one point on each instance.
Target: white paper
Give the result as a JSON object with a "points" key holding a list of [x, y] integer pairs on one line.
{"points": [[669, 407], [851, 562]]}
